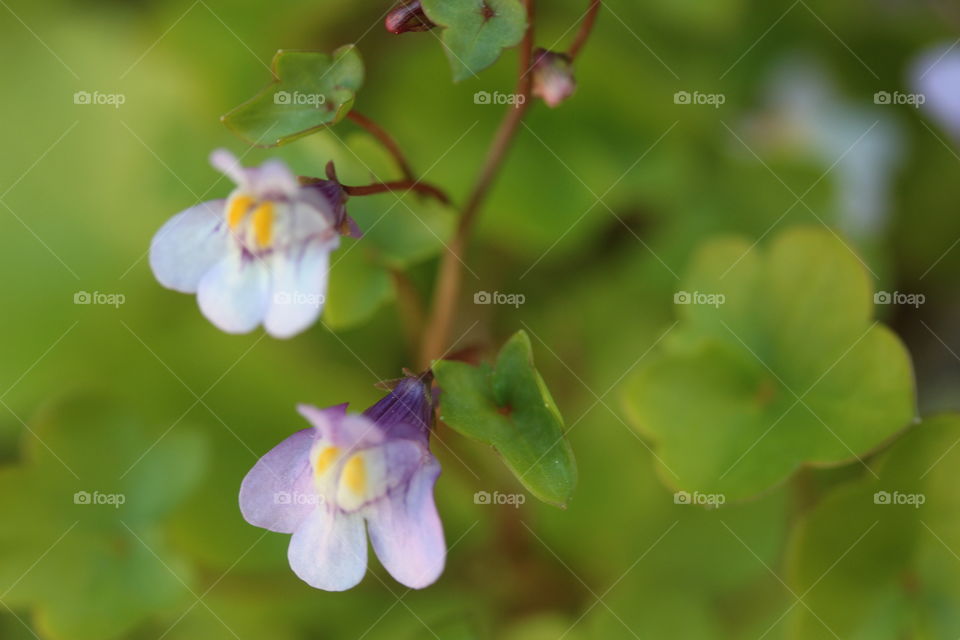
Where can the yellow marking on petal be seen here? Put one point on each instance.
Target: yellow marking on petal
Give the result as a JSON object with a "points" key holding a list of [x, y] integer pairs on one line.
{"points": [[355, 474], [238, 208], [263, 224], [324, 459]]}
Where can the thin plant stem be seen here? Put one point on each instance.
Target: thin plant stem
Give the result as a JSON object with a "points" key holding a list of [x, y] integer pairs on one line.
{"points": [[586, 28], [386, 140], [437, 331]]}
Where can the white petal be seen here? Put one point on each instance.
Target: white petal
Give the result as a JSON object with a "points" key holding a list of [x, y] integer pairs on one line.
{"points": [[272, 179], [406, 533], [235, 293], [329, 550], [299, 288], [269, 181], [370, 473], [185, 248]]}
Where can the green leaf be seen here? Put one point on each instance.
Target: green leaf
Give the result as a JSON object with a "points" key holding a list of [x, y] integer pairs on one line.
{"points": [[85, 551], [476, 31], [358, 287], [776, 363], [310, 90], [510, 408], [877, 558]]}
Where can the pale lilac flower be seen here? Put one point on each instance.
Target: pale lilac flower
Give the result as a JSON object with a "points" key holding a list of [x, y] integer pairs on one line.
{"points": [[323, 484], [935, 75], [261, 255]]}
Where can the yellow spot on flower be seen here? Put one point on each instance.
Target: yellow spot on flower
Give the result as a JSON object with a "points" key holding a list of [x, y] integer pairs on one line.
{"points": [[238, 209], [355, 474], [263, 224], [324, 459]]}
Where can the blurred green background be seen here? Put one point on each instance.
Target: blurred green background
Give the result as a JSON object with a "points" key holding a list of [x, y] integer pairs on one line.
{"points": [[594, 219]]}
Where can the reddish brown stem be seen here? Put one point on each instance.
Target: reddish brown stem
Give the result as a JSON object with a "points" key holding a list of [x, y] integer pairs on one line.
{"points": [[437, 331], [397, 185], [586, 28], [386, 140]]}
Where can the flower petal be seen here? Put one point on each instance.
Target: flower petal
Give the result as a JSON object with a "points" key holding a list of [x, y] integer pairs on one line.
{"points": [[369, 474], [270, 180], [406, 533], [228, 164], [277, 494], [188, 245], [235, 293], [329, 550], [349, 432], [299, 288], [936, 75]]}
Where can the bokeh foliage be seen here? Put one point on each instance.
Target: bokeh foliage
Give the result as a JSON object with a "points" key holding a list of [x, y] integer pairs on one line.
{"points": [[600, 212]]}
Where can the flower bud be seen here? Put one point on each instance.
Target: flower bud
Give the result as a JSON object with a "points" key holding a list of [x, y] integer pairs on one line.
{"points": [[552, 77], [408, 16]]}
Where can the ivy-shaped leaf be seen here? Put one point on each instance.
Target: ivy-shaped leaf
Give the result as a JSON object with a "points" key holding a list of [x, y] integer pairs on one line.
{"points": [[476, 31], [510, 408], [775, 363], [85, 551], [878, 558], [310, 90]]}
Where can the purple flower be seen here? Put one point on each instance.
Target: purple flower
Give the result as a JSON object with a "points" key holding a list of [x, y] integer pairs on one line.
{"points": [[323, 483], [260, 256], [553, 79]]}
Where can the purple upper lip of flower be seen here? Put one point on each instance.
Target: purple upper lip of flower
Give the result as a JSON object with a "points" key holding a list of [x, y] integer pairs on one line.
{"points": [[324, 483]]}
